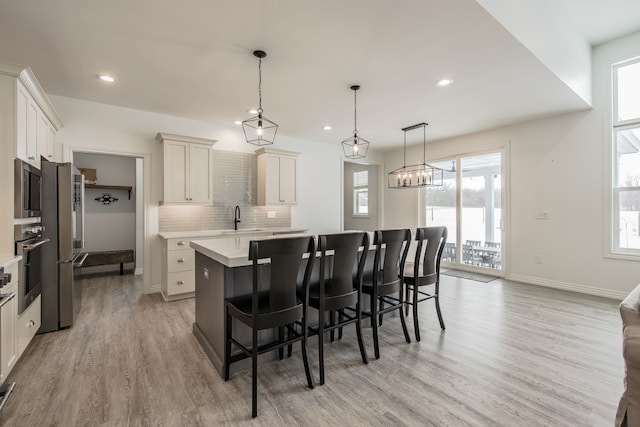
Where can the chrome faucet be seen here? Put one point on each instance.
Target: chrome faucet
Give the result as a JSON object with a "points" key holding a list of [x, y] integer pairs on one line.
{"points": [[236, 218]]}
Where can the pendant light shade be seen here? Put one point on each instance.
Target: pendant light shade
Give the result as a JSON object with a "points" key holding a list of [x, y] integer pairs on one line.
{"points": [[259, 130], [418, 175], [355, 147]]}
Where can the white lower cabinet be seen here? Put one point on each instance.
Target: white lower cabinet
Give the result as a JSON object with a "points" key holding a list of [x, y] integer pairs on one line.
{"points": [[8, 332], [178, 265], [28, 324]]}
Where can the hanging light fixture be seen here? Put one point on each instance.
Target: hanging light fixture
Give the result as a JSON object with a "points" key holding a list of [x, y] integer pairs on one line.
{"points": [[355, 147], [419, 175], [259, 130]]}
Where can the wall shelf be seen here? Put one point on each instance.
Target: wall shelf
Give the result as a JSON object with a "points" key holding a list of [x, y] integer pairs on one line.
{"points": [[110, 187]]}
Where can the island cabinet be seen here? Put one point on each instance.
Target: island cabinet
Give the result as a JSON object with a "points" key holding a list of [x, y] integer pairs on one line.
{"points": [[187, 169], [277, 177], [9, 324]]}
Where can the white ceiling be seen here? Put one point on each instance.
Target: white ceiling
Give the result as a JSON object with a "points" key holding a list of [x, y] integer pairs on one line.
{"points": [[194, 59]]}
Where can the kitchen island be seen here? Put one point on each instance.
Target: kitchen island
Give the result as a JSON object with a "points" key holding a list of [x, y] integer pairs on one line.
{"points": [[222, 270]]}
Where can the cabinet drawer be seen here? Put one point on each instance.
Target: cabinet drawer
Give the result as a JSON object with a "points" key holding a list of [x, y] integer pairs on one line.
{"points": [[28, 324], [180, 260], [181, 282], [177, 244]]}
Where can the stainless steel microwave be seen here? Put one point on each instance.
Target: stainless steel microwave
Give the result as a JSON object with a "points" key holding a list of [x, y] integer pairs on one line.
{"points": [[27, 181]]}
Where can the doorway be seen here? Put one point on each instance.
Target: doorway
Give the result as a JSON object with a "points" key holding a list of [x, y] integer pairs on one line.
{"points": [[143, 200], [361, 197], [470, 204]]}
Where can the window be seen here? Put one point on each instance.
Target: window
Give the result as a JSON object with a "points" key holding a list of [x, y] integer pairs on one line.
{"points": [[361, 193], [626, 160]]}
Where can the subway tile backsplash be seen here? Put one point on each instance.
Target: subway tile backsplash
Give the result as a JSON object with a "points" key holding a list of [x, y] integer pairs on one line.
{"points": [[235, 183]]}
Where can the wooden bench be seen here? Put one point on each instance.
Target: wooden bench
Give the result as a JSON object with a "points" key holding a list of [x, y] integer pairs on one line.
{"points": [[110, 257]]}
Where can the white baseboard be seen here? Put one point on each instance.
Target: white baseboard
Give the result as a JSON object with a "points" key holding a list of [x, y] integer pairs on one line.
{"points": [[154, 289], [107, 268], [574, 287], [138, 271]]}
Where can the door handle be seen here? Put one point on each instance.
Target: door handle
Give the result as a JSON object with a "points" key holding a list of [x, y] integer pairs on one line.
{"points": [[32, 246]]}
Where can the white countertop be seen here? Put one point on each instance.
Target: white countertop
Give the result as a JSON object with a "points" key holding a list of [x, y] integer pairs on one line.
{"points": [[232, 251], [231, 233], [6, 261]]}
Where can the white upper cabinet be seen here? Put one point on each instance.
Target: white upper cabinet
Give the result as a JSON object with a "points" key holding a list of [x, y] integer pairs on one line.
{"points": [[35, 120], [187, 169], [277, 177], [46, 138]]}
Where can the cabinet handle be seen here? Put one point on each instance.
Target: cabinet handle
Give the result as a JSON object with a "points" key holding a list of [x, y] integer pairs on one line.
{"points": [[180, 282], [180, 259], [49, 155], [281, 201], [181, 243], [31, 158], [31, 323]]}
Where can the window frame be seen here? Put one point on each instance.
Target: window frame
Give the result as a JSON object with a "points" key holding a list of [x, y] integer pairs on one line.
{"points": [[357, 190], [614, 249]]}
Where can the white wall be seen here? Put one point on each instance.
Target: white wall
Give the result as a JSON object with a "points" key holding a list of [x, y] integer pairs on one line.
{"points": [[103, 128], [558, 165], [109, 227]]}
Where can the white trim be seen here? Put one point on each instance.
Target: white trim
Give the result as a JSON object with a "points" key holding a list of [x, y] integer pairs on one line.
{"points": [[573, 287], [68, 151], [382, 182]]}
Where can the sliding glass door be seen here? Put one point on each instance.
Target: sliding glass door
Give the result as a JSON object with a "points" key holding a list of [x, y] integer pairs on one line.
{"points": [[469, 204]]}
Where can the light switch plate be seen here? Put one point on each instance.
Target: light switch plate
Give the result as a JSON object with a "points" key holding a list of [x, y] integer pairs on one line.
{"points": [[542, 214], [271, 214]]}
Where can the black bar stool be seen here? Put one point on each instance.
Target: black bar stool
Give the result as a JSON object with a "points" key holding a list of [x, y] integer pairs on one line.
{"points": [[275, 307], [386, 279], [430, 244]]}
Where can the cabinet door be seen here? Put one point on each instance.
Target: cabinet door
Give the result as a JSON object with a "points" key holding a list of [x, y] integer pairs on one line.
{"points": [[200, 176], [46, 136], [288, 190], [32, 132], [176, 157], [21, 123], [51, 143], [272, 180], [8, 336]]}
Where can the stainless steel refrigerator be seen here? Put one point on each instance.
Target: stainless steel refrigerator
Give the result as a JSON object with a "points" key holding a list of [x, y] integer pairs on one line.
{"points": [[63, 222]]}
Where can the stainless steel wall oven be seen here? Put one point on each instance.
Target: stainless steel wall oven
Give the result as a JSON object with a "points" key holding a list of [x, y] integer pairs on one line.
{"points": [[29, 243]]}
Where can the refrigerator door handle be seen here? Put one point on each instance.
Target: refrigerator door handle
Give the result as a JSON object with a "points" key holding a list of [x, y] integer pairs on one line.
{"points": [[79, 260], [32, 246], [82, 211]]}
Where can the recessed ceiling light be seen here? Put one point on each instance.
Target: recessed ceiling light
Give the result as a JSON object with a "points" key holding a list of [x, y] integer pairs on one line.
{"points": [[444, 82], [252, 111], [326, 127], [237, 122], [107, 78]]}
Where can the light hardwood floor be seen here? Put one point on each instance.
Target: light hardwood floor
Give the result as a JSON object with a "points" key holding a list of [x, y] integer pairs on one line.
{"points": [[512, 355]]}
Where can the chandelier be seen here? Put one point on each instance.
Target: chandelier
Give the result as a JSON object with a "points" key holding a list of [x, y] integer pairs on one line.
{"points": [[259, 130], [418, 175], [355, 147]]}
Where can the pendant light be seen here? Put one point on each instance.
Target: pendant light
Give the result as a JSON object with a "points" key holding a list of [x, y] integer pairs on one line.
{"points": [[355, 147], [259, 130], [418, 175]]}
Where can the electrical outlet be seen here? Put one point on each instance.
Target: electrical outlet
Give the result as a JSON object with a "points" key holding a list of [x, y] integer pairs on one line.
{"points": [[538, 259], [271, 214], [542, 214]]}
